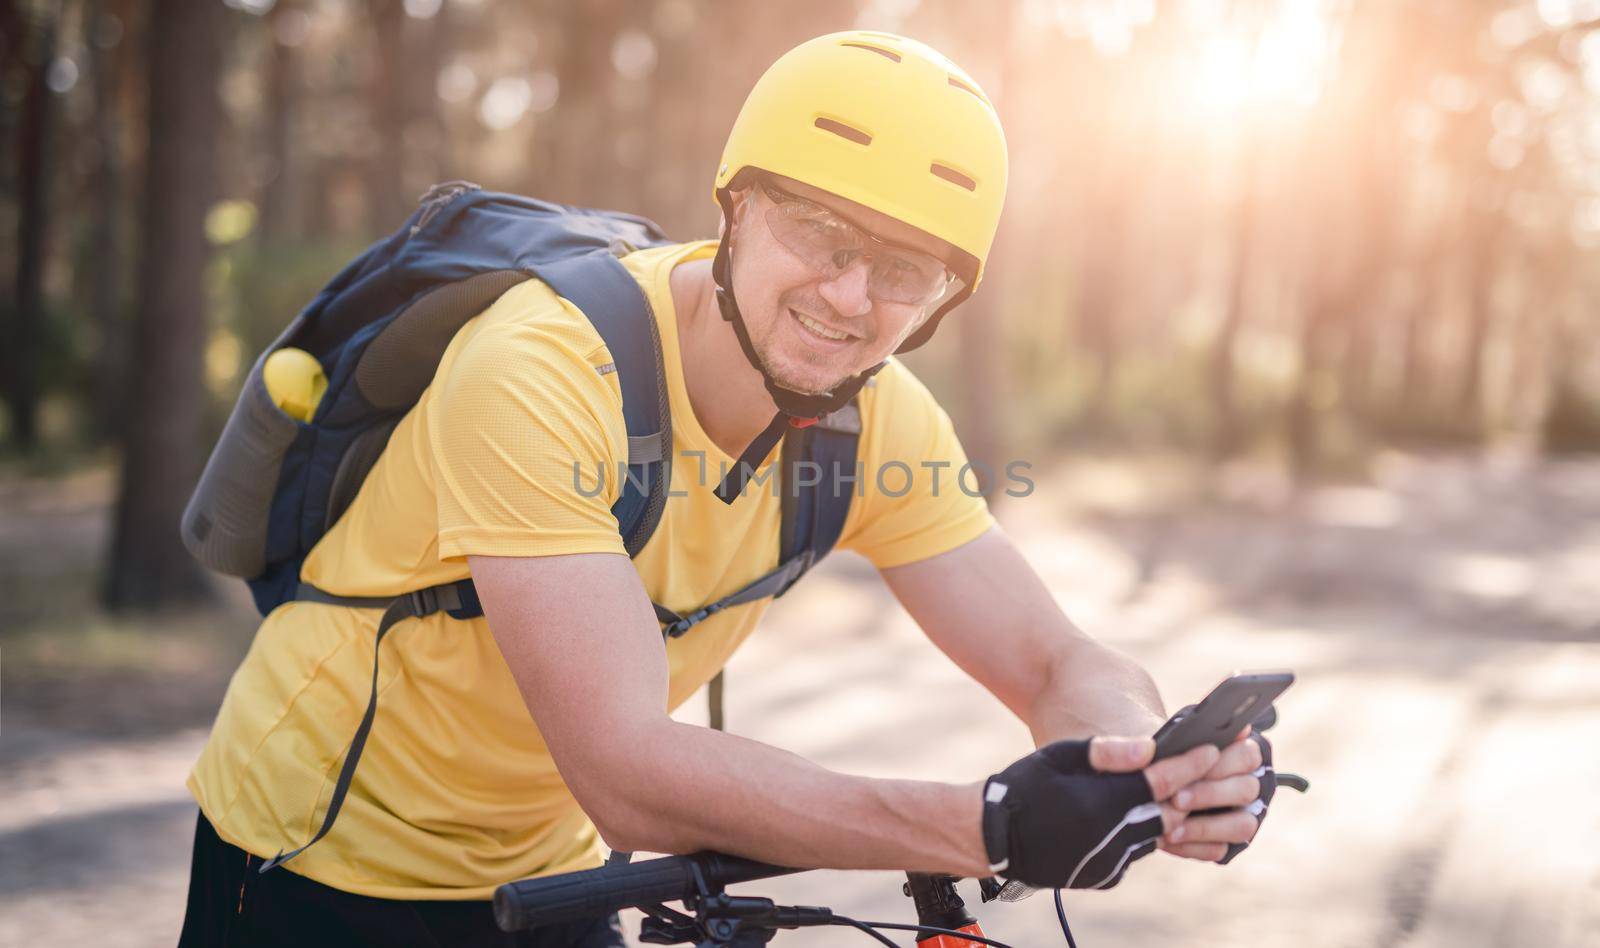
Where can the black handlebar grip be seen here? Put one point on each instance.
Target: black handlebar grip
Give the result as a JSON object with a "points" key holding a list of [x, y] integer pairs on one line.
{"points": [[593, 893]]}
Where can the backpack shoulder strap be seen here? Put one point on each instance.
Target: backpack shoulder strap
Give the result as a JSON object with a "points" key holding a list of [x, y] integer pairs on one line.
{"points": [[817, 495], [603, 290]]}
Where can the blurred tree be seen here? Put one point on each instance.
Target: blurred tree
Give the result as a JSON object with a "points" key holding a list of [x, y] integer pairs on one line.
{"points": [[161, 452], [1425, 267], [427, 139], [1396, 248], [582, 148], [1479, 261], [387, 202], [285, 27], [104, 25], [1228, 431], [1101, 284], [35, 39], [982, 333], [1344, 165]]}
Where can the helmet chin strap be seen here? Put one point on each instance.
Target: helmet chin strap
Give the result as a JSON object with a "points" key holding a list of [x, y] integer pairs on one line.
{"points": [[795, 409]]}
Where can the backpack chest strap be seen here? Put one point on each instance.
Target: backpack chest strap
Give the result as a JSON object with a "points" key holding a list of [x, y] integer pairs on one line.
{"points": [[773, 584]]}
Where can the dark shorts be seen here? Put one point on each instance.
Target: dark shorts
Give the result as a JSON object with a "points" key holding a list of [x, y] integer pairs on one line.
{"points": [[231, 905]]}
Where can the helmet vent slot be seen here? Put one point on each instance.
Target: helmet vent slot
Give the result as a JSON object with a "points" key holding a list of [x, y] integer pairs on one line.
{"points": [[885, 53], [848, 132], [953, 176], [961, 84]]}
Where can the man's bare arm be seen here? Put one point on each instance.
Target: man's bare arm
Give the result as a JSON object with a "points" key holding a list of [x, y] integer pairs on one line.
{"points": [[985, 607], [584, 646]]}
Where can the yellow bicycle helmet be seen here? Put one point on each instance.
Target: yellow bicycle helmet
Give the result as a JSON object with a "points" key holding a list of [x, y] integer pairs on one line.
{"points": [[886, 122], [890, 124]]}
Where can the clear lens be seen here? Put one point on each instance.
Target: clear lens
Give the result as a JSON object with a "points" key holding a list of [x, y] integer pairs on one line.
{"points": [[831, 245]]}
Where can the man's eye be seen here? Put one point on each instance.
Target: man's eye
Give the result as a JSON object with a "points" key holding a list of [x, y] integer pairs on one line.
{"points": [[834, 231], [902, 269]]}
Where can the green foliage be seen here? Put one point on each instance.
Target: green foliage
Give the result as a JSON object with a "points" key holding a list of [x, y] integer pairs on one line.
{"points": [[264, 286], [1237, 202], [66, 345], [256, 290]]}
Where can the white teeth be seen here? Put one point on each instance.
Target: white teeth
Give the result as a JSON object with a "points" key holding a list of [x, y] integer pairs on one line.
{"points": [[818, 328]]}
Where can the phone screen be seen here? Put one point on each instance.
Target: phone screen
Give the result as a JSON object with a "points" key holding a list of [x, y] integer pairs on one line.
{"points": [[1239, 700]]}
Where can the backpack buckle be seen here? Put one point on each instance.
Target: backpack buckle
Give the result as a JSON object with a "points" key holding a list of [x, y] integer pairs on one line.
{"points": [[423, 602], [675, 629], [847, 420]]}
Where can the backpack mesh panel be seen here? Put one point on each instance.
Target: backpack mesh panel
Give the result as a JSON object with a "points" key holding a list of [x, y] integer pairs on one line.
{"points": [[401, 360], [354, 466]]}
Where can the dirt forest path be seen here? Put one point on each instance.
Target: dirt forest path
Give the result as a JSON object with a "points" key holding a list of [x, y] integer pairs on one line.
{"points": [[1444, 623]]}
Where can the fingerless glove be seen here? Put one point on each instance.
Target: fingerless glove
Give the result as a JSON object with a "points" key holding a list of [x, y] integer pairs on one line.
{"points": [[1052, 821]]}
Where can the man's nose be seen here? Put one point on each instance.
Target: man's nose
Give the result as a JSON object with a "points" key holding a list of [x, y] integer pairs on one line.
{"points": [[847, 292]]}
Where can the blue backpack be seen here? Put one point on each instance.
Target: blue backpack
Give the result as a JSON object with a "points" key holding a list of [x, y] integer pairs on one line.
{"points": [[274, 486]]}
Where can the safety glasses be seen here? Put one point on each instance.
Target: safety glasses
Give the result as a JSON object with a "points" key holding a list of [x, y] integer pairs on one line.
{"points": [[832, 245]]}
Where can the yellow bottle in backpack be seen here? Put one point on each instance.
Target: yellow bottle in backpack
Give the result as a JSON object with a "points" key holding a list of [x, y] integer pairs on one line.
{"points": [[295, 381]]}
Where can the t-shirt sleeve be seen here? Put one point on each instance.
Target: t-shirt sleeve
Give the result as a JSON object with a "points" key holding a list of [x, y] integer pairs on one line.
{"points": [[913, 501], [526, 434]]}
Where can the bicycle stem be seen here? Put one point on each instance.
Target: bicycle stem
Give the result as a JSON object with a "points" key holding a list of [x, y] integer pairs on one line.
{"points": [[940, 906]]}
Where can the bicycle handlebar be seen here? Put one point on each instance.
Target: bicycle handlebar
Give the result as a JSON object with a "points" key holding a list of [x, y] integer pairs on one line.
{"points": [[592, 893]]}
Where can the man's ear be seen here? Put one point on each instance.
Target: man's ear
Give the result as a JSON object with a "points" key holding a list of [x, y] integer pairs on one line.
{"points": [[740, 200]]}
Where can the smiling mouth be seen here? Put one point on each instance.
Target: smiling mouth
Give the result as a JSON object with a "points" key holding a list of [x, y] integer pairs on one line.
{"points": [[819, 330]]}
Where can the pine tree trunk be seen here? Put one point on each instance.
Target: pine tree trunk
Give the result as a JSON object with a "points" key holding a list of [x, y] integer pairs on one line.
{"points": [[1479, 280], [161, 449], [106, 309], [982, 331], [1227, 436], [388, 202], [585, 117], [282, 93], [25, 339]]}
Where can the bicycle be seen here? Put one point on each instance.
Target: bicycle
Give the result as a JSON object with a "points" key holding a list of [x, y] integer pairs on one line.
{"points": [[720, 920]]}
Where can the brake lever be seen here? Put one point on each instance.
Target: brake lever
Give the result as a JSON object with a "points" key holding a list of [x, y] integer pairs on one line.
{"points": [[1292, 781]]}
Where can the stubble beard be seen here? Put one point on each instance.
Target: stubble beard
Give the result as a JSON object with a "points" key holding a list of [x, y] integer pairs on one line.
{"points": [[798, 374]]}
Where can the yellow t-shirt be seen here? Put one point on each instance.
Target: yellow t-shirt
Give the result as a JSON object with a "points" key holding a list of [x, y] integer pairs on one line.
{"points": [[456, 792]]}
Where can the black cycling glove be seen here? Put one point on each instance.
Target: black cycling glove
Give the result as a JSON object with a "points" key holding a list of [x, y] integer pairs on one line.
{"points": [[1269, 786], [1052, 821], [1265, 774]]}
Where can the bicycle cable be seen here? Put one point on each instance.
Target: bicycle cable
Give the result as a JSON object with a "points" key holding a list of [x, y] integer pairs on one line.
{"points": [[925, 929], [842, 920], [1061, 916]]}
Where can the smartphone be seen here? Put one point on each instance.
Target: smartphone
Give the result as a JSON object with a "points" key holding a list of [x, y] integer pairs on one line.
{"points": [[1239, 700]]}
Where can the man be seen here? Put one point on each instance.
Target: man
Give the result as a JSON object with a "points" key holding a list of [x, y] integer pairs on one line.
{"points": [[860, 188]]}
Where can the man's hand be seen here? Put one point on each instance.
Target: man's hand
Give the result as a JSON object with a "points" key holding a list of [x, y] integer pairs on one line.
{"points": [[1232, 784], [1075, 814]]}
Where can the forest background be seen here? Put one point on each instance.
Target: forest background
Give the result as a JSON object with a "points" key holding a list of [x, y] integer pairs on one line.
{"points": [[1298, 231], [1293, 309]]}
